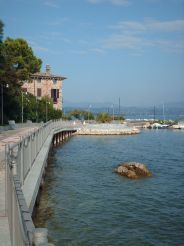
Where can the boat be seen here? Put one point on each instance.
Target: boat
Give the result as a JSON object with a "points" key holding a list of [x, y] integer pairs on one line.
{"points": [[159, 126]]}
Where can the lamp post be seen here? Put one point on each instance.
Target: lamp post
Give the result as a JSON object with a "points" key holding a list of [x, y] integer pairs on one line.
{"points": [[163, 112], [62, 107], [23, 106], [113, 112], [2, 103], [36, 110], [46, 110]]}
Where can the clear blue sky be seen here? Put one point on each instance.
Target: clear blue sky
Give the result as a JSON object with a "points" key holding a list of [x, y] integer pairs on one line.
{"points": [[132, 49]]}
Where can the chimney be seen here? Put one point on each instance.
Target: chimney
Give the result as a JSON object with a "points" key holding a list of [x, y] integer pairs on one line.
{"points": [[48, 69]]}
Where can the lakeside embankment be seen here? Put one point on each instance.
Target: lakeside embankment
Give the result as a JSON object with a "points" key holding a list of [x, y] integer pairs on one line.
{"points": [[106, 129]]}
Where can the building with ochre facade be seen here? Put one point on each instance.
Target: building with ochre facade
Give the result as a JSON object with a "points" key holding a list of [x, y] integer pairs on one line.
{"points": [[46, 84]]}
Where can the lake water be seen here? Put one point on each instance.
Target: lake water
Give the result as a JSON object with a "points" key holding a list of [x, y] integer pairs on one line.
{"points": [[84, 203]]}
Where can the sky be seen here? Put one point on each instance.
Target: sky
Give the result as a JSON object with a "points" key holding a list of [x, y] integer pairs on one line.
{"points": [[107, 49]]}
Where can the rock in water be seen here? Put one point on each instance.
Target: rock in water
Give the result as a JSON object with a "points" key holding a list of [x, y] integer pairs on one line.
{"points": [[133, 170]]}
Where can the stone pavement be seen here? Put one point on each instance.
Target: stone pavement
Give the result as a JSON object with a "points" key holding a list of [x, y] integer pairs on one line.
{"points": [[7, 137]]}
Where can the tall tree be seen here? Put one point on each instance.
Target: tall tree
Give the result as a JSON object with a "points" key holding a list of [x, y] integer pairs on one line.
{"points": [[1, 47], [17, 62], [20, 61], [1, 31]]}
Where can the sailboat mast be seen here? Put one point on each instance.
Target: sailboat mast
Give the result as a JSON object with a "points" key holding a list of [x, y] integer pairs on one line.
{"points": [[119, 106], [163, 112]]}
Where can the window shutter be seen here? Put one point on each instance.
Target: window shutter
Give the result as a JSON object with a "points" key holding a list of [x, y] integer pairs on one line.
{"points": [[39, 92], [57, 93]]}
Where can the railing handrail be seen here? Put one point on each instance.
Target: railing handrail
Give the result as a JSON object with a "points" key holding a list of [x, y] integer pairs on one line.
{"points": [[20, 157]]}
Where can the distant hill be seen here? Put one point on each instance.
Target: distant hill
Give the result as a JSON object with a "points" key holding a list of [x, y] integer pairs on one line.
{"points": [[171, 110], [86, 104], [175, 104], [110, 105]]}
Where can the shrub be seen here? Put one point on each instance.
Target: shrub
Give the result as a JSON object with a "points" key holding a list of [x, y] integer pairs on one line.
{"points": [[103, 117]]}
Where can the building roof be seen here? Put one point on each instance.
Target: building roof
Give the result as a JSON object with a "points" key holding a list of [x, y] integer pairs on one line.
{"points": [[47, 75]]}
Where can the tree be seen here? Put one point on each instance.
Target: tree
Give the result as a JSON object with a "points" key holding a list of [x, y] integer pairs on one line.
{"points": [[88, 115], [103, 117], [1, 47], [76, 113], [17, 62], [1, 31], [45, 106], [119, 118], [81, 114]]}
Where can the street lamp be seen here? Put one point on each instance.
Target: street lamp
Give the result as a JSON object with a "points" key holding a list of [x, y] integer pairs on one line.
{"points": [[46, 110], [2, 103], [23, 105], [62, 107], [113, 111], [36, 110]]}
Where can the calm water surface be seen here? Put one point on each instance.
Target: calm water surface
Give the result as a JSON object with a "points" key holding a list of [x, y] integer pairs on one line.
{"points": [[84, 203]]}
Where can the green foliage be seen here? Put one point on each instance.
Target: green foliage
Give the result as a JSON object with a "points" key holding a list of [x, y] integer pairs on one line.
{"points": [[119, 118], [43, 107], [166, 122], [1, 48], [103, 117], [76, 113], [66, 117], [34, 109], [87, 115], [81, 114], [11, 104], [1, 31], [19, 61]]}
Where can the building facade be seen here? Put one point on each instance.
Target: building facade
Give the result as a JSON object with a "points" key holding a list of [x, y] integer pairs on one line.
{"points": [[46, 84]]}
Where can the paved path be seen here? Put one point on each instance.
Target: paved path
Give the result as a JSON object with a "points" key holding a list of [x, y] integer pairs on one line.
{"points": [[7, 137]]}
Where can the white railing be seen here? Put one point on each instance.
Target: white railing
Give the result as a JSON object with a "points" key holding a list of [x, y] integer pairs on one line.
{"points": [[23, 153], [20, 158], [20, 222]]}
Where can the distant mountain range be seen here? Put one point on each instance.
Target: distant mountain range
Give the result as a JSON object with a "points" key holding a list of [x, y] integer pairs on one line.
{"points": [[106, 105], [86, 104], [170, 110]]}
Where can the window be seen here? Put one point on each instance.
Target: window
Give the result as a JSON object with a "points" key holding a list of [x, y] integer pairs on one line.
{"points": [[39, 92], [54, 95], [39, 80]]}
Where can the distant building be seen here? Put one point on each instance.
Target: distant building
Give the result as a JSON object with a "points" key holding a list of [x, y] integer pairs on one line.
{"points": [[46, 84]]}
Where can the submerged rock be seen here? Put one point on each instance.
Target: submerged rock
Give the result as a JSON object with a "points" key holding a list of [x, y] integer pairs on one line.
{"points": [[133, 170]]}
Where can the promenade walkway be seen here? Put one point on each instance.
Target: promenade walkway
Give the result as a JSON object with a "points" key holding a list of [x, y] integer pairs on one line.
{"points": [[7, 137]]}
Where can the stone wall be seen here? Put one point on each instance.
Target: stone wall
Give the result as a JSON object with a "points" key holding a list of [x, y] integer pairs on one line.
{"points": [[106, 131], [45, 85]]}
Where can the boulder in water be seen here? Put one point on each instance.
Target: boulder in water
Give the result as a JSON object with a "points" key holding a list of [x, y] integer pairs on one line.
{"points": [[133, 170]]}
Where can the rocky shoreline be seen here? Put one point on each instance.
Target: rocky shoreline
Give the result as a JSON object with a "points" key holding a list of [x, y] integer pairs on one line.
{"points": [[88, 130]]}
